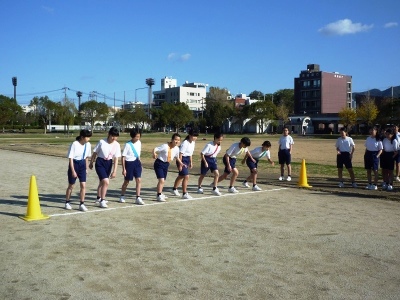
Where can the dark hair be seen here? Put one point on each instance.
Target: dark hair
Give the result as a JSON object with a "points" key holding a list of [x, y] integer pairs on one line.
{"points": [[390, 131], [217, 135], [134, 133], [84, 133], [175, 135], [266, 144], [246, 141], [113, 131], [377, 136], [191, 133], [343, 129]]}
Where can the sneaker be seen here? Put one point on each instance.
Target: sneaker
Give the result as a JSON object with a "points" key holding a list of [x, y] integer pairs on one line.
{"points": [[176, 193], [139, 201], [68, 206], [389, 187], [161, 198], [384, 186], [341, 184], [98, 201], [122, 199], [165, 197], [233, 190], [289, 178], [216, 192], [187, 196], [82, 207], [245, 184], [280, 178], [354, 185], [368, 187], [103, 203], [256, 188], [373, 187], [200, 191], [397, 178]]}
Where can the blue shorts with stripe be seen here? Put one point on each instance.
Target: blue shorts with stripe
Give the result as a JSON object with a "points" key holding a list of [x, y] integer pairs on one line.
{"points": [[161, 168], [232, 163], [252, 165], [212, 165]]}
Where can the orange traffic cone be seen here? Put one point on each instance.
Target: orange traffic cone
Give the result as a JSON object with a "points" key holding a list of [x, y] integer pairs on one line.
{"points": [[303, 176], [33, 211]]}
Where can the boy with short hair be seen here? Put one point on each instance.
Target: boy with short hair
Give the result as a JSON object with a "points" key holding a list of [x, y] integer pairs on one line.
{"points": [[257, 153], [345, 148], [230, 161], [285, 153]]}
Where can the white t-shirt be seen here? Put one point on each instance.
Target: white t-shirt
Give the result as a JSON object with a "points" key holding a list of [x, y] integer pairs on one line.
{"points": [[211, 150], [285, 142], [235, 150], [128, 152], [163, 152], [345, 144], [187, 148], [390, 146], [372, 144], [107, 151], [78, 151], [257, 152]]}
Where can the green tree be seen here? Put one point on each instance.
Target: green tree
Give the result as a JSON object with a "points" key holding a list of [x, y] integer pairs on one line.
{"points": [[45, 110], [66, 112], [260, 112], [218, 94], [9, 110], [92, 110], [368, 111], [348, 117], [217, 112], [282, 113], [176, 115], [286, 98], [256, 95], [140, 116]]}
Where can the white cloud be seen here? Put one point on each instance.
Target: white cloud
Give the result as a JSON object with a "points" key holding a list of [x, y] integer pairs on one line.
{"points": [[177, 57], [345, 26], [185, 57], [391, 24], [48, 9]]}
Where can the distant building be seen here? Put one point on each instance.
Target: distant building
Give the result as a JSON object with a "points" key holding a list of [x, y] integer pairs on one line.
{"points": [[322, 95], [191, 93]]}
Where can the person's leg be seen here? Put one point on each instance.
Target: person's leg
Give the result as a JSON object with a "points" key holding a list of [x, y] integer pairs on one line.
{"points": [[351, 173], [369, 176], [104, 187], [160, 185], [178, 181], [235, 173], [138, 186], [282, 169], [216, 177], [185, 182], [124, 187], [340, 174], [68, 192], [253, 176], [376, 177], [200, 181], [82, 192], [289, 169]]}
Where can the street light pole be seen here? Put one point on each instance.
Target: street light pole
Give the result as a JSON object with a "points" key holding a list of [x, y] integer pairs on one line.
{"points": [[137, 90]]}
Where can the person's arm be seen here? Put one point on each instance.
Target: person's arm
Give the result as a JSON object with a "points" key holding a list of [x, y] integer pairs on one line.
{"points": [[271, 162], [155, 153], [92, 159], [115, 166], [71, 165], [203, 159], [123, 160]]}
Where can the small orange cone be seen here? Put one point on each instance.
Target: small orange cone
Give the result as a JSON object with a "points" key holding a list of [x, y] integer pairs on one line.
{"points": [[303, 176], [33, 211]]}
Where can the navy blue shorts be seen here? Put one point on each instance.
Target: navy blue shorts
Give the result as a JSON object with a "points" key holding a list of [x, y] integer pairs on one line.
{"points": [[103, 168], [232, 163], [252, 165], [343, 158], [284, 157], [80, 169], [185, 170], [133, 169], [212, 165], [387, 161], [371, 162], [161, 168], [397, 158]]}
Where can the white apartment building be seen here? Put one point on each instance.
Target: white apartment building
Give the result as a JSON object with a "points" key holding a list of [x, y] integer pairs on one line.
{"points": [[191, 93]]}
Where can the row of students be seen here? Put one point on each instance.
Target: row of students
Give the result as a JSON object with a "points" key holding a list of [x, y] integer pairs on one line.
{"points": [[383, 151], [107, 153]]}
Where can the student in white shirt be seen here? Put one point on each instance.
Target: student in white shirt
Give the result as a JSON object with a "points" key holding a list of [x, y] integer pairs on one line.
{"points": [[78, 154], [373, 150], [390, 150], [185, 155], [345, 148], [163, 155], [106, 154], [285, 145], [131, 166]]}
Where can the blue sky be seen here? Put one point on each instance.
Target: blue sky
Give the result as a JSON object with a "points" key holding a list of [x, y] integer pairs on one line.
{"points": [[113, 46]]}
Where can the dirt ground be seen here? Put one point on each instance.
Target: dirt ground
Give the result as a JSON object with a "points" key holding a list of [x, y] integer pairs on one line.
{"points": [[281, 243]]}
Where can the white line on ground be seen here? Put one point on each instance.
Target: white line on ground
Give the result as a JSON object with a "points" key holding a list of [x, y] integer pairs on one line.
{"points": [[158, 203]]}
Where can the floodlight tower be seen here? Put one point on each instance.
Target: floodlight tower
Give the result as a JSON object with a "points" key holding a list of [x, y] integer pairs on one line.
{"points": [[14, 82], [150, 83]]}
